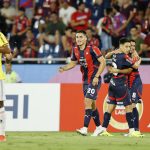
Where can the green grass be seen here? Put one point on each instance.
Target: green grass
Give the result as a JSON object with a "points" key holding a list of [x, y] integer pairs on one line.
{"points": [[72, 141]]}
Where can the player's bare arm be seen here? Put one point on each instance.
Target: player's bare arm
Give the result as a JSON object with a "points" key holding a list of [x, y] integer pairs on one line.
{"points": [[137, 64], [5, 49], [100, 70], [69, 66], [8, 58], [124, 71]]}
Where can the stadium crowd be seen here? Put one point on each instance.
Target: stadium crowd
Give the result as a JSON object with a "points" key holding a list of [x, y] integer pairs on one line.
{"points": [[46, 28]]}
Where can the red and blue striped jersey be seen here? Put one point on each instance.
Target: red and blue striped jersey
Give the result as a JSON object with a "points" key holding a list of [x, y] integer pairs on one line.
{"points": [[88, 60]]}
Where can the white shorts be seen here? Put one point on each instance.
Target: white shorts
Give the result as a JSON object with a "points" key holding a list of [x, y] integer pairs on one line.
{"points": [[2, 91]]}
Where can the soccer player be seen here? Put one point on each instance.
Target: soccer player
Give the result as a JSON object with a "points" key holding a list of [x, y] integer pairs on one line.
{"points": [[4, 49], [92, 65], [118, 88], [134, 84]]}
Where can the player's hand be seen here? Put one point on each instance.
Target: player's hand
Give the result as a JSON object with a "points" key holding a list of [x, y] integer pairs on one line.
{"points": [[61, 69], [95, 81]]}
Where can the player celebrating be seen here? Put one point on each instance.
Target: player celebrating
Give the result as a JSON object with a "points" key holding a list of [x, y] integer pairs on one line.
{"points": [[134, 84], [92, 65], [4, 49], [118, 88]]}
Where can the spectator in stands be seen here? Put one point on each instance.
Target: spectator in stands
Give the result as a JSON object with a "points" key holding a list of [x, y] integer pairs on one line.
{"points": [[11, 76], [126, 9], [54, 29], [97, 10], [91, 39], [119, 24], [134, 34], [145, 50], [65, 12], [107, 31], [50, 7], [9, 13], [38, 21], [20, 27], [80, 18], [141, 34], [29, 47], [67, 42], [29, 6]]}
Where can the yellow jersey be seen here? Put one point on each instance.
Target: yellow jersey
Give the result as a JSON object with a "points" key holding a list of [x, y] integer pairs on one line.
{"points": [[3, 42]]}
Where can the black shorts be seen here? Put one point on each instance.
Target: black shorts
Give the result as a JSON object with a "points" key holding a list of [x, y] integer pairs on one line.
{"points": [[136, 91], [91, 91], [119, 94]]}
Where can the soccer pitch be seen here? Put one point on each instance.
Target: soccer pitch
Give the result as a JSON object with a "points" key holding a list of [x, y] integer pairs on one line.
{"points": [[72, 141]]}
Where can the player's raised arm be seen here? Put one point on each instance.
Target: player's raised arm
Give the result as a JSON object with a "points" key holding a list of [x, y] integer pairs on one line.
{"points": [[69, 66]]}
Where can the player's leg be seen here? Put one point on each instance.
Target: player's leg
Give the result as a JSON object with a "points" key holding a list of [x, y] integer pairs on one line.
{"points": [[136, 94], [87, 117], [2, 114]]}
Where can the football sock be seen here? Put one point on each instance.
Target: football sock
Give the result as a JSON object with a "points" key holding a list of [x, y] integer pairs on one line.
{"points": [[87, 117], [2, 121], [95, 116], [106, 119], [129, 118], [136, 118]]}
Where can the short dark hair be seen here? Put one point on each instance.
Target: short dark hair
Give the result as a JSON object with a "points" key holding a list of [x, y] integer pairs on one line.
{"points": [[81, 31], [123, 40], [131, 40]]}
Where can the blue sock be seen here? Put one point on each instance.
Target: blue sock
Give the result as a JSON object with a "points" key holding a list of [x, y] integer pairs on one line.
{"points": [[129, 118], [136, 119], [95, 116], [87, 117], [106, 119]]}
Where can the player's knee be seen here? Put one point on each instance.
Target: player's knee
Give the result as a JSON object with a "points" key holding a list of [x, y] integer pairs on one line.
{"points": [[1, 104], [88, 103]]}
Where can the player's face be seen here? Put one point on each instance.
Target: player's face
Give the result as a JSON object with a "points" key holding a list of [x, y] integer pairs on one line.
{"points": [[132, 49], [126, 47], [81, 39]]}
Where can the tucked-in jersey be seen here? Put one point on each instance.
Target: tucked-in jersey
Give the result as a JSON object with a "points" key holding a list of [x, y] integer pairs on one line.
{"points": [[88, 59], [120, 61], [3, 42]]}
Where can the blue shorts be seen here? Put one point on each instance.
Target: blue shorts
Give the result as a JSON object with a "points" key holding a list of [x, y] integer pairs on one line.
{"points": [[119, 94], [136, 91], [91, 91]]}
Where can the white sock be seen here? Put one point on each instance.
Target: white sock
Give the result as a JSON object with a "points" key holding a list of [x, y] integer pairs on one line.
{"points": [[2, 121]]}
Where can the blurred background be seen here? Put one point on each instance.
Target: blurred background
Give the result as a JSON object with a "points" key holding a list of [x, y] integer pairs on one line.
{"points": [[41, 34]]}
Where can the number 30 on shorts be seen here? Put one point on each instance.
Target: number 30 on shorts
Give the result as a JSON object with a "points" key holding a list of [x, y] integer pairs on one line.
{"points": [[91, 91]]}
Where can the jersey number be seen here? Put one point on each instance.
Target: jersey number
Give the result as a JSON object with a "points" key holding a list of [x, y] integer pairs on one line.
{"points": [[92, 91]]}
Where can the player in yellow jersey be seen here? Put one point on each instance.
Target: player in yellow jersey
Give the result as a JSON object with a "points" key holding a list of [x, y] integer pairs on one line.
{"points": [[4, 49]]}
